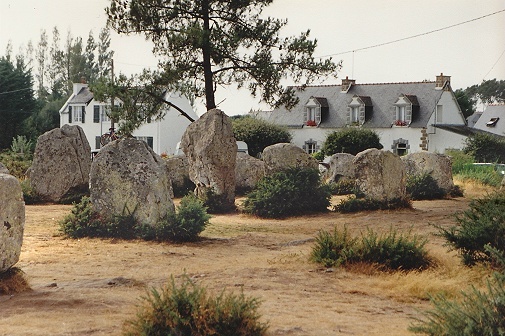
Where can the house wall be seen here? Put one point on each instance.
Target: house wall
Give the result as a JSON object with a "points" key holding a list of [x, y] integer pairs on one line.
{"points": [[165, 133]]}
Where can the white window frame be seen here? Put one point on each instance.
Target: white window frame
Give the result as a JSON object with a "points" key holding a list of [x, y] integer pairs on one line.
{"points": [[77, 114], [401, 113], [354, 114]]}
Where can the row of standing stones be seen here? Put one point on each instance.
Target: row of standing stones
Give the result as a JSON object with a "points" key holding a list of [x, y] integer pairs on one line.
{"points": [[128, 176]]}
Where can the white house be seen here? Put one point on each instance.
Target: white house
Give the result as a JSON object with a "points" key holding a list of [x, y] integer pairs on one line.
{"points": [[162, 136], [408, 117]]}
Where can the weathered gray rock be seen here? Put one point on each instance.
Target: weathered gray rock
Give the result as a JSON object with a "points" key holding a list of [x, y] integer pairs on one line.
{"points": [[380, 175], [126, 175], [3, 169], [248, 171], [439, 166], [341, 168], [211, 150], [12, 221], [281, 156], [61, 163], [178, 169]]}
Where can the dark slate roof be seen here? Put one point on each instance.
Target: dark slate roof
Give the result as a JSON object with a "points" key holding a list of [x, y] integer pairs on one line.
{"points": [[413, 99], [366, 100], [382, 97], [84, 96], [322, 101]]}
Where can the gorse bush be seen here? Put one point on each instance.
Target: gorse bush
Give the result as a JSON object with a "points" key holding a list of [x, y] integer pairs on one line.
{"points": [[356, 204], [186, 224], [482, 224], [424, 187], [188, 310], [292, 192], [391, 251], [350, 140], [477, 313]]}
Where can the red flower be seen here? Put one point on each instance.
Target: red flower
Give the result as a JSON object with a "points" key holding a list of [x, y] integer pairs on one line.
{"points": [[400, 123], [311, 123]]}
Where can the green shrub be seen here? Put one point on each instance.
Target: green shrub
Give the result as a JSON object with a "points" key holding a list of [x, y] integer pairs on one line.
{"points": [[188, 310], [342, 187], [258, 134], [483, 223], [394, 251], [356, 204], [350, 140], [391, 251], [190, 220], [186, 224], [334, 249], [478, 313], [459, 160], [29, 194], [22, 147], [16, 164], [216, 203], [319, 156], [292, 192], [486, 148], [424, 187]]}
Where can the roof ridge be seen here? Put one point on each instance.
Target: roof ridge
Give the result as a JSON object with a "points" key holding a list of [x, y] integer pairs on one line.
{"points": [[338, 85]]}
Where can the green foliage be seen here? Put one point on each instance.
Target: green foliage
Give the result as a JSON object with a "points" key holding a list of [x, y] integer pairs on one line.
{"points": [[216, 203], [483, 223], [258, 134], [477, 313], [17, 100], [29, 194], [190, 220], [466, 103], [207, 44], [486, 148], [391, 251], [22, 147], [319, 156], [16, 164], [486, 175], [424, 187], [188, 309], [350, 140], [186, 224], [356, 204], [343, 187], [295, 191]]}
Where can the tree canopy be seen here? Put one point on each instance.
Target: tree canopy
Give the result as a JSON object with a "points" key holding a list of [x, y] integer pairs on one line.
{"points": [[205, 44], [488, 92], [17, 100]]}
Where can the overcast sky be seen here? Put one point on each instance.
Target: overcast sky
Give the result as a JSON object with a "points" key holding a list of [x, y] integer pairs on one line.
{"points": [[469, 52]]}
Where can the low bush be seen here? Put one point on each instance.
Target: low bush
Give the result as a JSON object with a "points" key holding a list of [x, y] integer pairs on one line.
{"points": [[15, 163], [424, 187], [483, 223], [186, 224], [351, 140], [188, 310], [342, 187], [477, 313], [391, 251], [295, 191], [29, 194], [356, 204]]}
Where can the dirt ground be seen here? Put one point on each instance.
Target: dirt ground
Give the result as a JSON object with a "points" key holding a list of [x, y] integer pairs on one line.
{"points": [[92, 286]]}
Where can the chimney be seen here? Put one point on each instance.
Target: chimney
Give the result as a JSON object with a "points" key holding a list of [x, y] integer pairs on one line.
{"points": [[346, 84], [441, 81]]}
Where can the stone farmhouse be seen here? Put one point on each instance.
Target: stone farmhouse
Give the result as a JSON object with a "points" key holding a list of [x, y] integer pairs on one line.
{"points": [[162, 136], [407, 116]]}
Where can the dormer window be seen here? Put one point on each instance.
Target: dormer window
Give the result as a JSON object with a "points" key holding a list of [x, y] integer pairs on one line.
{"points": [[316, 109], [358, 110], [404, 109]]}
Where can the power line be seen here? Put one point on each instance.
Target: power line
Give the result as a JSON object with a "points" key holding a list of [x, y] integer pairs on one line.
{"points": [[503, 52], [413, 36], [6, 92]]}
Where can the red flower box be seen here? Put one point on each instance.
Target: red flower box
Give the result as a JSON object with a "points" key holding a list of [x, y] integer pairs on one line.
{"points": [[311, 123]]}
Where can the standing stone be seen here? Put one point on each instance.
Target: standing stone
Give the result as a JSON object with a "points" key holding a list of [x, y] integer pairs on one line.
{"points": [[281, 156], [129, 177], [380, 175], [12, 221], [341, 168], [178, 169], [248, 171], [439, 166], [61, 163], [211, 150]]}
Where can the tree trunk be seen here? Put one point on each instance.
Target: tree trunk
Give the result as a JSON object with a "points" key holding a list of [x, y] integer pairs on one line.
{"points": [[210, 100]]}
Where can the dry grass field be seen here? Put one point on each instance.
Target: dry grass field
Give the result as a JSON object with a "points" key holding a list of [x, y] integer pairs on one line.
{"points": [[92, 286]]}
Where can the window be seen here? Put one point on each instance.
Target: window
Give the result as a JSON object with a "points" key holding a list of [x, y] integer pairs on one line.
{"points": [[103, 113], [440, 113], [400, 147], [76, 114], [400, 113], [311, 146], [354, 114], [147, 139], [311, 113]]}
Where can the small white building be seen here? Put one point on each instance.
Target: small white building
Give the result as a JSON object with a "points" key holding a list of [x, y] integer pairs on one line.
{"points": [[408, 117], [162, 136]]}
